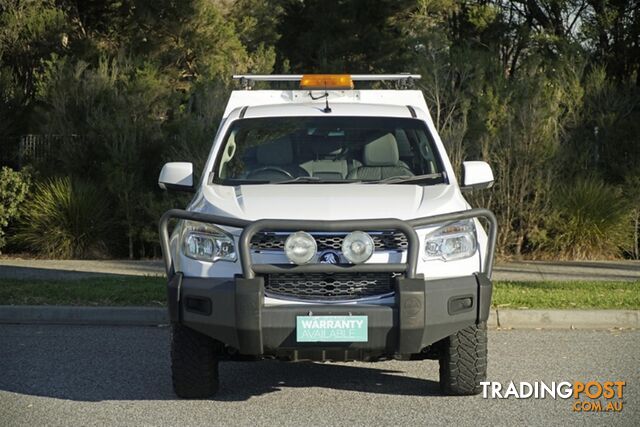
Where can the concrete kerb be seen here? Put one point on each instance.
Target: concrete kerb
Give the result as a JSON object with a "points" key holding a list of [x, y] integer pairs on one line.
{"points": [[564, 319], [151, 316]]}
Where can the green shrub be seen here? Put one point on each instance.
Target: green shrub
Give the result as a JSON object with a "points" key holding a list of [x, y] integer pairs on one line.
{"points": [[13, 189], [589, 221], [632, 194], [65, 219]]}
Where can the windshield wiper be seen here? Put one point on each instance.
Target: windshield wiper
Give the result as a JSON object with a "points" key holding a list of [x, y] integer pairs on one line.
{"points": [[238, 181], [407, 179], [314, 180]]}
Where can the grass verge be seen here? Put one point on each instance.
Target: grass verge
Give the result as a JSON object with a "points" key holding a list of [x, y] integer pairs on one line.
{"points": [[567, 295], [99, 291], [150, 291]]}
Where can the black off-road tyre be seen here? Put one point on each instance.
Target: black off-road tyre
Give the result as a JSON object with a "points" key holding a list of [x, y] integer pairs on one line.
{"points": [[463, 361], [194, 363]]}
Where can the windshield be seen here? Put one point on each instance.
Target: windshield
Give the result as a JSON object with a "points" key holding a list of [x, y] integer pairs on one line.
{"points": [[292, 150]]}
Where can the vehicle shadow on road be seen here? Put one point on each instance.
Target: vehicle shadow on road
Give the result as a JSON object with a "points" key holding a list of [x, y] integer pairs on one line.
{"points": [[241, 381], [86, 363]]}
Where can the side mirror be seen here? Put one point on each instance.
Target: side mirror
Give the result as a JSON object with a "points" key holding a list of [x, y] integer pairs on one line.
{"points": [[177, 176], [476, 176]]}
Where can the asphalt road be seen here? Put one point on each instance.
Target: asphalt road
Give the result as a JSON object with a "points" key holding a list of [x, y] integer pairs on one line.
{"points": [[83, 375]]}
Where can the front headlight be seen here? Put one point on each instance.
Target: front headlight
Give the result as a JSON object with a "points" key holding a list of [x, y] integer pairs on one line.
{"points": [[453, 241], [206, 242]]}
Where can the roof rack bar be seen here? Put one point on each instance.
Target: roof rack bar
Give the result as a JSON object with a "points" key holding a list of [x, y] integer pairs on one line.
{"points": [[298, 77], [383, 77], [269, 77]]}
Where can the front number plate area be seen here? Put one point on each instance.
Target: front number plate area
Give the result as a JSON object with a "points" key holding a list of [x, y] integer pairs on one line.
{"points": [[332, 329]]}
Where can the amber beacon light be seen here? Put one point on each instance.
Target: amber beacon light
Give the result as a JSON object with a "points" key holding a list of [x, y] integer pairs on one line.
{"points": [[326, 81]]}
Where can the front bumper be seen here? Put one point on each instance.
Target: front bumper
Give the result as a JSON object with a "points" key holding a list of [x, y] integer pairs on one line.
{"points": [[232, 311]]}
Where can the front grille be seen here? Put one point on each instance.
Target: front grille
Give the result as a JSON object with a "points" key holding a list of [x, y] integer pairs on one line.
{"points": [[382, 241], [329, 286]]}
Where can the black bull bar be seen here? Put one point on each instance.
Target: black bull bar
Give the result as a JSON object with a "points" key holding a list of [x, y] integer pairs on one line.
{"points": [[407, 227]]}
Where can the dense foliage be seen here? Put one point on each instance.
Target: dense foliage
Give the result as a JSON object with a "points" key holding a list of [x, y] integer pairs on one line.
{"points": [[547, 91], [13, 191]]}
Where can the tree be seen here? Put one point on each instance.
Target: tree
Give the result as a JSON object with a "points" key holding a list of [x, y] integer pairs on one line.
{"points": [[30, 31], [356, 36], [545, 90], [612, 33]]}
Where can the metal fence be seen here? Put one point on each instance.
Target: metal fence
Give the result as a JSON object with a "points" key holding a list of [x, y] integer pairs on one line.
{"points": [[19, 151]]}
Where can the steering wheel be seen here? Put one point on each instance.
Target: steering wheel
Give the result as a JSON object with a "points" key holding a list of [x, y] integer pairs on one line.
{"points": [[272, 169]]}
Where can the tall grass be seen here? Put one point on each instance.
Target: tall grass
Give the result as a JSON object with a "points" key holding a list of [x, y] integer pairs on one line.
{"points": [[590, 221], [65, 219]]}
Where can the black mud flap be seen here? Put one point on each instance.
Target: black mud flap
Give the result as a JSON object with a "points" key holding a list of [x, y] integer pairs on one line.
{"points": [[248, 301], [485, 289], [173, 297], [411, 303]]}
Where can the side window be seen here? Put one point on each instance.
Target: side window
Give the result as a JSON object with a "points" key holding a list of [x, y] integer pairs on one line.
{"points": [[423, 154], [227, 155]]}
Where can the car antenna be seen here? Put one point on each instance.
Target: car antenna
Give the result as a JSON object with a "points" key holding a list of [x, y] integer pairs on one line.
{"points": [[326, 109]]}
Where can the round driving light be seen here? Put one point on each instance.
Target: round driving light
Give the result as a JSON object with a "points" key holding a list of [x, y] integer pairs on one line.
{"points": [[300, 247], [357, 247]]}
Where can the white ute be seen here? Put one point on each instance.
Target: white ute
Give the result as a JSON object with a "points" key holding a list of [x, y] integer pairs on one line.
{"points": [[327, 225]]}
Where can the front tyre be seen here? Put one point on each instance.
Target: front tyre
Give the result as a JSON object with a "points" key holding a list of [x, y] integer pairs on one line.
{"points": [[194, 363], [463, 361]]}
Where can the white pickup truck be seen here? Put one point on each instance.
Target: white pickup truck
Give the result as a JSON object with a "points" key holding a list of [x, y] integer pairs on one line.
{"points": [[328, 225]]}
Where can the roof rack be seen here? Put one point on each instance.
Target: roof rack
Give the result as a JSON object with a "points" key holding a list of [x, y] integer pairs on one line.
{"points": [[404, 80]]}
